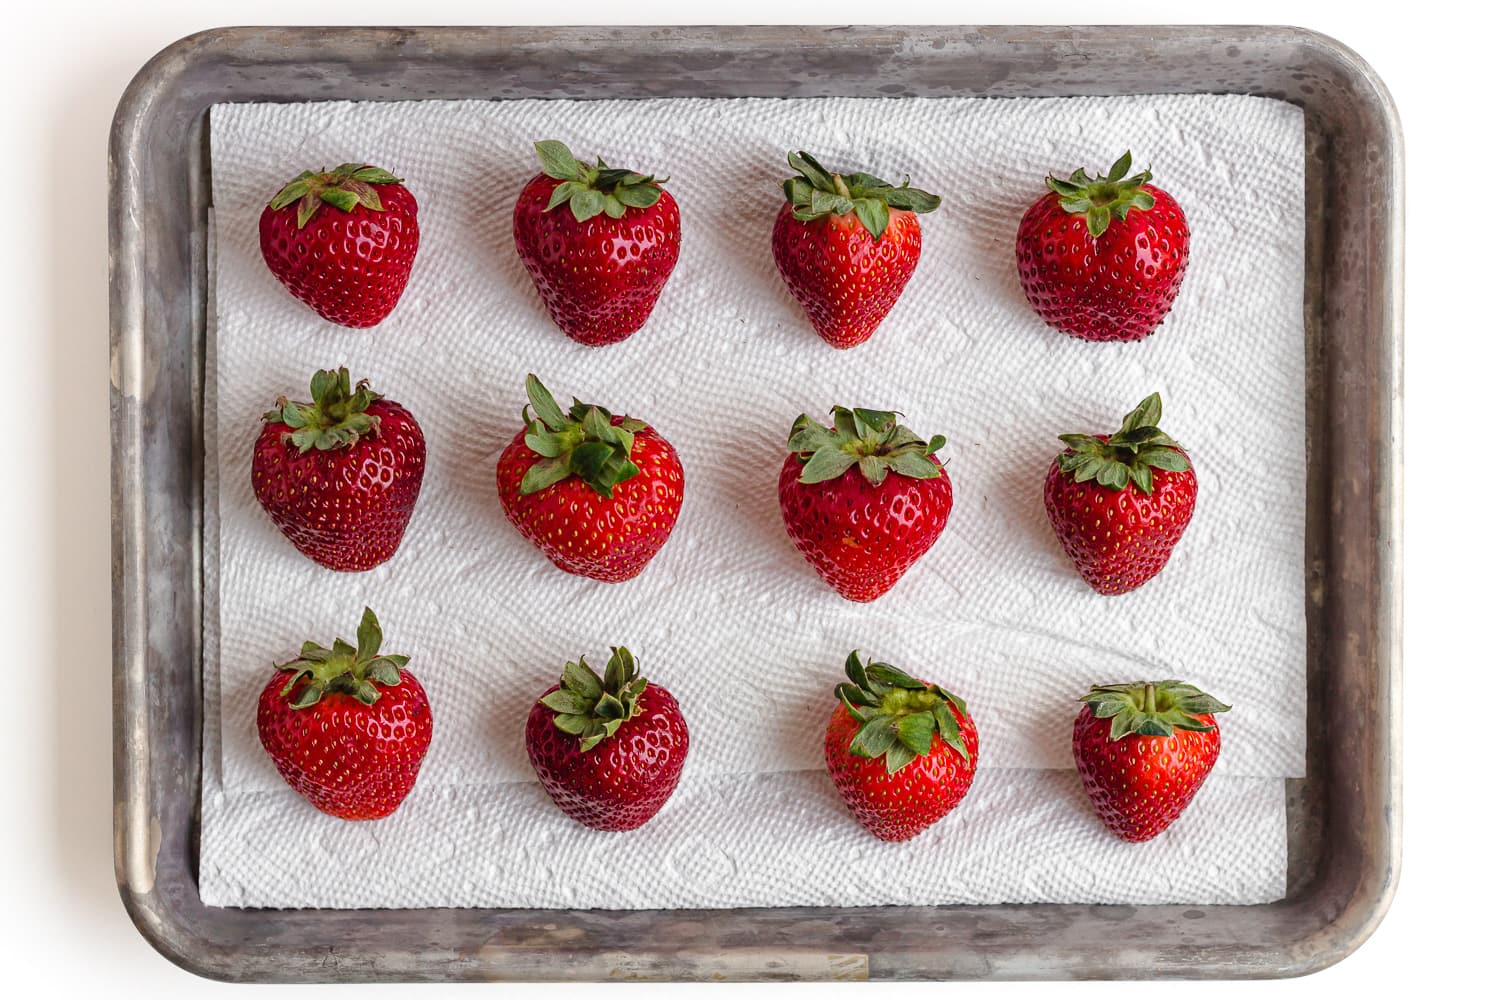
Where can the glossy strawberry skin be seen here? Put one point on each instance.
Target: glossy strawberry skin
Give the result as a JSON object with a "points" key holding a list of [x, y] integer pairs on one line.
{"points": [[348, 759], [346, 508], [599, 278], [1118, 286], [861, 538], [1119, 539], [845, 279], [349, 267], [624, 780], [604, 538], [1140, 785], [899, 806]]}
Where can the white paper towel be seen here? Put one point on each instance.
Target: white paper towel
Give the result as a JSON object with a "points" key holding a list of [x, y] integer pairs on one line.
{"points": [[742, 840], [994, 611]]}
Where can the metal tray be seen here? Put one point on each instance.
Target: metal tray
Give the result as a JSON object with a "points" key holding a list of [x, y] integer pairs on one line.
{"points": [[1343, 819]]}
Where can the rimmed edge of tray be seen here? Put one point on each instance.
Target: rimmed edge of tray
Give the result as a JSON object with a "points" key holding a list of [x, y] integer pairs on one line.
{"points": [[1346, 813]]}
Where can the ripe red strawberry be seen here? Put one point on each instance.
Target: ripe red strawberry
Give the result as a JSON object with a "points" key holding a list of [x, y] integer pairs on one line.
{"points": [[340, 475], [1143, 751], [846, 245], [1103, 259], [342, 241], [1118, 504], [601, 265], [859, 526], [893, 775], [598, 494], [346, 727], [608, 751]]}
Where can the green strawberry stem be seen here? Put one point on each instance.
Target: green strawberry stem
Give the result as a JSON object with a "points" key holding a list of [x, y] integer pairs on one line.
{"points": [[588, 191], [872, 439], [1129, 456], [899, 715], [335, 418], [344, 669], [1105, 196], [593, 708], [343, 187], [582, 442], [818, 193], [1151, 708]]}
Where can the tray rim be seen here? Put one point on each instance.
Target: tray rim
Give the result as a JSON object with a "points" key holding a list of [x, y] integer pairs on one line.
{"points": [[137, 831]]}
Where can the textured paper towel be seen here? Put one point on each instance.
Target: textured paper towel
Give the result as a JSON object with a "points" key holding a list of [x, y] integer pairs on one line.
{"points": [[747, 840], [726, 362]]}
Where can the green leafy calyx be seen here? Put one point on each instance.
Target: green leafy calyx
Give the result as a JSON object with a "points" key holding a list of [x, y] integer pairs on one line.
{"points": [[592, 708], [1152, 708], [335, 418], [343, 187], [1137, 448], [583, 442], [871, 439], [359, 671], [898, 715], [816, 193], [588, 190], [1105, 196]]}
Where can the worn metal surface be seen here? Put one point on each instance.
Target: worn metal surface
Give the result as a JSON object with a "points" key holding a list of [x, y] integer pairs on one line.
{"points": [[1343, 819]]}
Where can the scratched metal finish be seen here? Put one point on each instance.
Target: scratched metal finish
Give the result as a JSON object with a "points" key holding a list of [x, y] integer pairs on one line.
{"points": [[1343, 818]]}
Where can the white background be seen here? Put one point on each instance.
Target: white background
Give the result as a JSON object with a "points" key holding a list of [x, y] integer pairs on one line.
{"points": [[62, 927]]}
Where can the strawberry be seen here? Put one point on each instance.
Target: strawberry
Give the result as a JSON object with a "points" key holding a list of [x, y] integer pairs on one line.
{"points": [[1143, 751], [342, 241], [598, 494], [601, 265], [1118, 504], [846, 245], [609, 751], [347, 727], [1103, 259], [858, 525], [340, 475], [893, 775]]}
